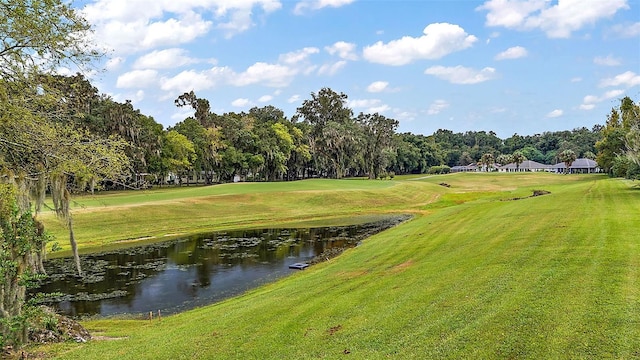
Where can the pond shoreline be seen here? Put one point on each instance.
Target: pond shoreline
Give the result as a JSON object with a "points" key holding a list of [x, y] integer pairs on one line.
{"points": [[127, 280]]}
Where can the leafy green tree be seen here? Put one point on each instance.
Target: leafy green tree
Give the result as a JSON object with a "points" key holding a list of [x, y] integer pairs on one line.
{"points": [[416, 153], [202, 108], [504, 159], [39, 37], [22, 240], [332, 134], [612, 143], [36, 147], [207, 143], [178, 153], [532, 153], [301, 154], [378, 132], [631, 118]]}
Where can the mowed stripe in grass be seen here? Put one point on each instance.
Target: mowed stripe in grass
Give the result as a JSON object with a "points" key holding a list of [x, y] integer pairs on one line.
{"points": [[554, 276]]}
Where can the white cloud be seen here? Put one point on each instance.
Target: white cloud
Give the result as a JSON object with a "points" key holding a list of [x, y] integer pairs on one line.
{"points": [[129, 26], [269, 74], [344, 50], [557, 19], [293, 98], [461, 75], [439, 40], [576, 79], [281, 74], [296, 57], [331, 69], [241, 102], [137, 79], [114, 63], [555, 113], [589, 102], [192, 80], [265, 98], [164, 59], [627, 30], [403, 115], [129, 37], [363, 103], [304, 5], [508, 13], [133, 96], [377, 86], [515, 52], [138, 96], [437, 106], [371, 105], [606, 61], [378, 109], [628, 79], [175, 31]]}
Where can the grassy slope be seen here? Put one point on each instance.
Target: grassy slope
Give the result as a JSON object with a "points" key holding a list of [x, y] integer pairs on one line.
{"points": [[471, 276], [103, 220]]}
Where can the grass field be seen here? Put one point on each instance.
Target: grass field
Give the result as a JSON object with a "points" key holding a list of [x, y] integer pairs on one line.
{"points": [[475, 274]]}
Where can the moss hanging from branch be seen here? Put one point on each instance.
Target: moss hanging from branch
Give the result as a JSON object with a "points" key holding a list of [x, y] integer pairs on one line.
{"points": [[61, 198], [21, 243]]}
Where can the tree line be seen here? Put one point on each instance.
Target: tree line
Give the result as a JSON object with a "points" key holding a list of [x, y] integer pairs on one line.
{"points": [[324, 138]]}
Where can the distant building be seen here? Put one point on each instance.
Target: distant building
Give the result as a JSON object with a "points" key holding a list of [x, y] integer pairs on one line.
{"points": [[527, 165], [464, 168], [579, 166]]}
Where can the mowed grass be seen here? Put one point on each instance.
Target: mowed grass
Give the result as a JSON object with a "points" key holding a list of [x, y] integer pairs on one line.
{"points": [[108, 220], [472, 275]]}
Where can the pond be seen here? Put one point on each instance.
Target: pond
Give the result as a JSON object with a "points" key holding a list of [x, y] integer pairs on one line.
{"points": [[181, 274]]}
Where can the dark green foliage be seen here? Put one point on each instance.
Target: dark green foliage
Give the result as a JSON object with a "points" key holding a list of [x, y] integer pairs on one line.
{"points": [[21, 248], [439, 169]]}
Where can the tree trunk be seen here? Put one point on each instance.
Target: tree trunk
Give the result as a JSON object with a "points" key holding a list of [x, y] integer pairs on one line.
{"points": [[74, 246]]}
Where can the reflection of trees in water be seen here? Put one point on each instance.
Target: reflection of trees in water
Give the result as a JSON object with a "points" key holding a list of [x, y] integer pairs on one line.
{"points": [[195, 261]]}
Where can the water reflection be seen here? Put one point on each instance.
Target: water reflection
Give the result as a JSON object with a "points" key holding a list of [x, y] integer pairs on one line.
{"points": [[195, 271]]}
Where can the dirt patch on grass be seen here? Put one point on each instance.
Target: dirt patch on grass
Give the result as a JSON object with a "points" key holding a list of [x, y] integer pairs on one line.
{"points": [[334, 329], [402, 267]]}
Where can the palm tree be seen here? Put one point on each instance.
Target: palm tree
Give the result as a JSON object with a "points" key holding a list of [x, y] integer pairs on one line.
{"points": [[518, 158], [487, 160], [567, 157]]}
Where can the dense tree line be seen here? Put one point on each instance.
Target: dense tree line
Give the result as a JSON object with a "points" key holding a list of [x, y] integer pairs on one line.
{"points": [[323, 139]]}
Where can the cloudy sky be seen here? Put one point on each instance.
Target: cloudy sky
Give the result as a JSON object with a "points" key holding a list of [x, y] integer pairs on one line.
{"points": [[511, 66]]}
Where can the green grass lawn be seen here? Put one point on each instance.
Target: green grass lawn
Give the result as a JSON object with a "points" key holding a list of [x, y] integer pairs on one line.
{"points": [[473, 275]]}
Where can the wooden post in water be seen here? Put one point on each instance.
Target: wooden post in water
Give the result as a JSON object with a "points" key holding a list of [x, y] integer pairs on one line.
{"points": [[150, 315], [159, 317]]}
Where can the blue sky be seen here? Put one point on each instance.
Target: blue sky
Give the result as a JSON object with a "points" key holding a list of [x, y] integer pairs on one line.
{"points": [[511, 66]]}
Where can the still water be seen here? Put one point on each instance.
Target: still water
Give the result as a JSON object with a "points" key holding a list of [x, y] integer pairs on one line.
{"points": [[185, 273]]}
